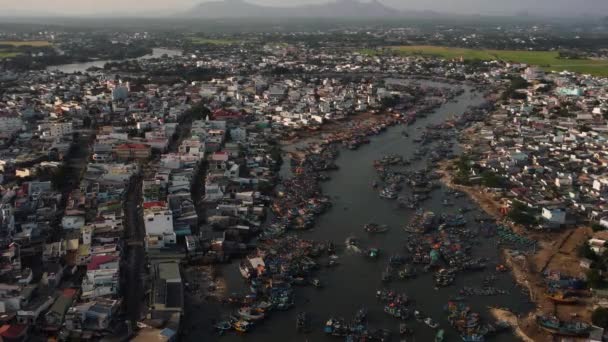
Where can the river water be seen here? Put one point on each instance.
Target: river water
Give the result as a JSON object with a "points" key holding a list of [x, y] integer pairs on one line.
{"points": [[353, 283], [82, 67]]}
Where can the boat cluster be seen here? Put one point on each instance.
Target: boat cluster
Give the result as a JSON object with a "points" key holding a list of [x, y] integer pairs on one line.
{"points": [[272, 271], [356, 330], [469, 324]]}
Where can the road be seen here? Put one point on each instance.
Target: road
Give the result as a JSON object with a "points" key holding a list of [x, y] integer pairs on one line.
{"points": [[133, 270]]}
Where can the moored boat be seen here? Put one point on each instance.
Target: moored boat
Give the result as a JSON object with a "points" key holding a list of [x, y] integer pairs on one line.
{"points": [[249, 314], [566, 328], [375, 228]]}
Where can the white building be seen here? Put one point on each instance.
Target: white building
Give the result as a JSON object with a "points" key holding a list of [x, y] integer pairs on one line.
{"points": [[554, 215], [10, 124], [120, 92], [159, 228], [56, 129]]}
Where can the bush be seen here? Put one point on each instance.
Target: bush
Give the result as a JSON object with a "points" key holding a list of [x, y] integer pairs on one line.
{"points": [[595, 279], [599, 317], [596, 227]]}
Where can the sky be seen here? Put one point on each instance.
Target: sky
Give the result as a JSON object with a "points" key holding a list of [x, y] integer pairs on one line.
{"points": [[163, 7]]}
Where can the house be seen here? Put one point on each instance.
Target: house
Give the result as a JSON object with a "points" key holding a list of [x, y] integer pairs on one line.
{"points": [[72, 222], [54, 317], [167, 290], [554, 215], [132, 151]]}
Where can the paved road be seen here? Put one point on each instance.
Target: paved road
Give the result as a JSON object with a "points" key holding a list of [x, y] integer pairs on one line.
{"points": [[134, 257]]}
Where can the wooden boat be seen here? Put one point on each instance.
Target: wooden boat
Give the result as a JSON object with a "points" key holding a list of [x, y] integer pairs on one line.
{"points": [[302, 321], [250, 314], [222, 326], [241, 326], [564, 328], [374, 228], [429, 321], [439, 336], [561, 298]]}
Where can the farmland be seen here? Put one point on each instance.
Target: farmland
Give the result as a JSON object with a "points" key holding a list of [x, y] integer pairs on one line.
{"points": [[548, 60], [33, 43], [210, 41]]}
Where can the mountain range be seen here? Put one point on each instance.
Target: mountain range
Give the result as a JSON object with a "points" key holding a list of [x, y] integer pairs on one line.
{"points": [[334, 9]]}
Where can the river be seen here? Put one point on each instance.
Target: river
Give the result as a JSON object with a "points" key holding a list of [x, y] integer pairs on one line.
{"points": [[82, 67], [353, 283]]}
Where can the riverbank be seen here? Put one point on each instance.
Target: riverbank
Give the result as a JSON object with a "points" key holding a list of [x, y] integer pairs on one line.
{"points": [[557, 252]]}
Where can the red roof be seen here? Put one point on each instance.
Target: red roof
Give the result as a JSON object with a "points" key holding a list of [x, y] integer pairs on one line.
{"points": [[132, 147], [225, 113], [69, 292], [14, 331], [99, 260], [153, 204]]}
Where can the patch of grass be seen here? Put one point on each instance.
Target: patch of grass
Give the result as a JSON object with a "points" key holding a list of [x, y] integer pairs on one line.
{"points": [[33, 43], [7, 54], [548, 60], [370, 52], [210, 41]]}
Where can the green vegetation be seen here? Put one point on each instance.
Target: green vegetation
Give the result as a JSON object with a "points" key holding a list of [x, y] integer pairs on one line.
{"points": [[33, 43], [595, 279], [596, 227], [8, 54], [521, 214], [599, 317], [492, 180], [516, 84], [463, 170], [548, 60], [211, 41], [13, 48]]}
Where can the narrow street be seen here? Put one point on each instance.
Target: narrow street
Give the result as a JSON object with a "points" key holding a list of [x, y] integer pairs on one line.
{"points": [[133, 272]]}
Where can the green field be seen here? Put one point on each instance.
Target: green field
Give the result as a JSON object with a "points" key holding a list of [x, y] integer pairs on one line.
{"points": [[33, 43], [7, 54], [210, 41], [548, 60]]}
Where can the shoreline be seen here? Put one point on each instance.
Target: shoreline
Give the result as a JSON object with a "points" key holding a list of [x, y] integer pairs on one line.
{"points": [[555, 251]]}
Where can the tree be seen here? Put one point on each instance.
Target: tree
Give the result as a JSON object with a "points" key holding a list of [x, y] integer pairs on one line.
{"points": [[520, 214], [595, 279], [585, 251], [490, 179], [599, 317]]}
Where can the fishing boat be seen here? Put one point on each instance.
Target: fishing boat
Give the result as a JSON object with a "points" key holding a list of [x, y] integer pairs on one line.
{"points": [[361, 316], [372, 253], [249, 314], [262, 306], [566, 328], [561, 297], [429, 321], [222, 326], [397, 311], [388, 194], [473, 338], [241, 326], [439, 336], [404, 329], [302, 321], [245, 270], [374, 228]]}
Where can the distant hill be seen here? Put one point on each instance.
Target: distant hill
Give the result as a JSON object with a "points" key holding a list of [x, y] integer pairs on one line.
{"points": [[336, 9]]}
